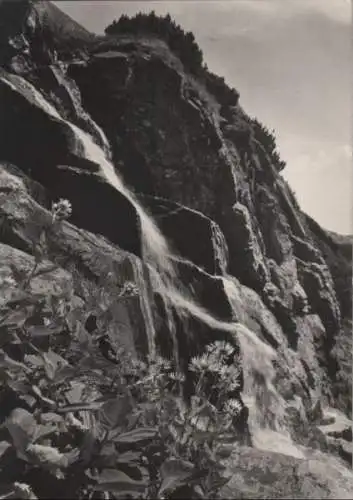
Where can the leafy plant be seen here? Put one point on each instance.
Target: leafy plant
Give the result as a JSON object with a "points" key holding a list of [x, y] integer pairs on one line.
{"points": [[82, 420]]}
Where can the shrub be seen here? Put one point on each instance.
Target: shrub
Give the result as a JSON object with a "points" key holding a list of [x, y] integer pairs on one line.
{"points": [[81, 421], [180, 42]]}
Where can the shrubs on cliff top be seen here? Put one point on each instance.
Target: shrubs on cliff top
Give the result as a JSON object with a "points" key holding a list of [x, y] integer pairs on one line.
{"points": [[83, 420], [183, 45], [180, 42]]}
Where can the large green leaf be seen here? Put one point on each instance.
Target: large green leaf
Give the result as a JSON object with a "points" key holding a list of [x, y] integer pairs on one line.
{"points": [[8, 363], [16, 317], [19, 385], [34, 360], [120, 483], [175, 473], [75, 394], [43, 331], [42, 431], [138, 435], [114, 411], [4, 446], [46, 401], [93, 406], [50, 417], [129, 457], [21, 425], [53, 362], [63, 373], [50, 457]]}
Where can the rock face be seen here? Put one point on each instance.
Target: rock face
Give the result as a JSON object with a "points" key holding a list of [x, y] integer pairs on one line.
{"points": [[120, 128]]}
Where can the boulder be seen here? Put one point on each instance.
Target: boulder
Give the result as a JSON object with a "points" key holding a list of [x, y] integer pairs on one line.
{"points": [[191, 234], [260, 474], [53, 154]]}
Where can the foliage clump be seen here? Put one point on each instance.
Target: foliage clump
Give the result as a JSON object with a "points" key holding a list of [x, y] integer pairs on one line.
{"points": [[180, 42], [81, 421]]}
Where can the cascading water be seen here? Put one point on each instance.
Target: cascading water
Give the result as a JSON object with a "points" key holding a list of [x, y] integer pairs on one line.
{"points": [[267, 408], [145, 306], [257, 356], [22, 86], [220, 248], [155, 246]]}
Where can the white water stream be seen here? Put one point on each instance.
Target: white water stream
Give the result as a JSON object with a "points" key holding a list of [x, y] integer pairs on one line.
{"points": [[257, 356]]}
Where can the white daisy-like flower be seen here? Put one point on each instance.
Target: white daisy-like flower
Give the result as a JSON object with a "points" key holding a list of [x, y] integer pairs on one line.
{"points": [[229, 372], [221, 347], [61, 210], [214, 366], [199, 363], [233, 385], [177, 376], [232, 407]]}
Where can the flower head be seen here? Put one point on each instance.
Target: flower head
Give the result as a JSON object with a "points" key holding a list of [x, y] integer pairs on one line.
{"points": [[220, 347], [199, 363], [214, 358], [178, 377], [233, 407], [61, 210]]}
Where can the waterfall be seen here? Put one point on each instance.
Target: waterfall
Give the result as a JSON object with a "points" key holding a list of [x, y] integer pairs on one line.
{"points": [[220, 248], [22, 86], [266, 406], [257, 356], [144, 298], [155, 246], [158, 283]]}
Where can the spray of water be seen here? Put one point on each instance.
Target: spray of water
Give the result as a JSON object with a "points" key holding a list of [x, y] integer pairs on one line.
{"points": [[266, 405]]}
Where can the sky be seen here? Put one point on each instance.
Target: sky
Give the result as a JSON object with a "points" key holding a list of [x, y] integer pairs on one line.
{"points": [[291, 62]]}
